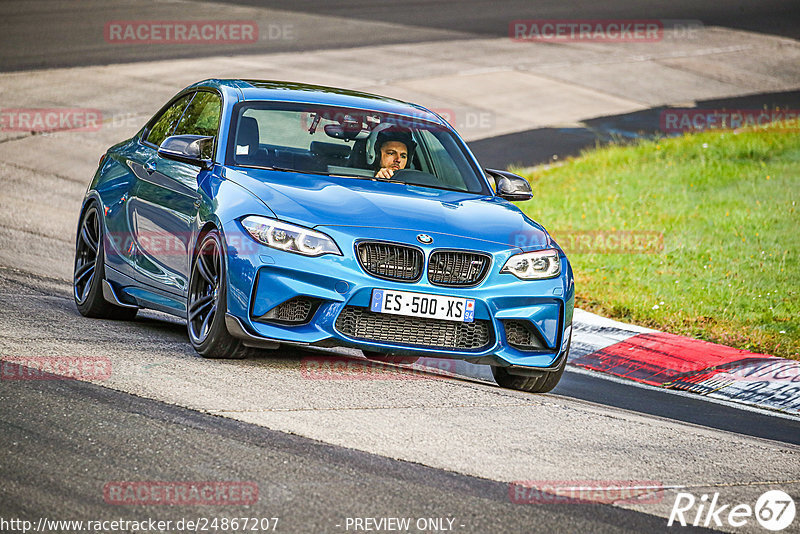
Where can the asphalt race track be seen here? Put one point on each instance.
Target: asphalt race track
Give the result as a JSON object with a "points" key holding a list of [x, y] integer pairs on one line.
{"points": [[309, 486], [64, 440], [401, 443], [46, 33]]}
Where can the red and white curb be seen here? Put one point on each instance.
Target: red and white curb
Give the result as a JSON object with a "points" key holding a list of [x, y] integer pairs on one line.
{"points": [[662, 360], [681, 363]]}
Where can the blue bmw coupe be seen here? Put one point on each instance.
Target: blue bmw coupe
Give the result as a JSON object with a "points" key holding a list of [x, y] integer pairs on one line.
{"points": [[268, 213]]}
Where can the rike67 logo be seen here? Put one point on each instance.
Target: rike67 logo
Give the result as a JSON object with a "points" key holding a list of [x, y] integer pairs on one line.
{"points": [[774, 510]]}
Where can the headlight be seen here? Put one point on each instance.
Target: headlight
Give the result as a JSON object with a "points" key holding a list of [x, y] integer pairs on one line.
{"points": [[288, 237], [534, 265]]}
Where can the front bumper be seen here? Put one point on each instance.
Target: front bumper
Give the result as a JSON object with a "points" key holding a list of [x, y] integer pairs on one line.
{"points": [[261, 278]]}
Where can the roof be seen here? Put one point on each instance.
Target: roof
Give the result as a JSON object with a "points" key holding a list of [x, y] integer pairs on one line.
{"points": [[319, 94]]}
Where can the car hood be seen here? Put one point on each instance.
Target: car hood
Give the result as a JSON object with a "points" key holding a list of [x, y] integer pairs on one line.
{"points": [[318, 200]]}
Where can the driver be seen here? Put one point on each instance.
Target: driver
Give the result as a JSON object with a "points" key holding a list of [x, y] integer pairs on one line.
{"points": [[394, 147]]}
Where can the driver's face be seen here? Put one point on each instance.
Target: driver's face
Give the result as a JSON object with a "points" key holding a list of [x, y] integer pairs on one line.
{"points": [[394, 155]]}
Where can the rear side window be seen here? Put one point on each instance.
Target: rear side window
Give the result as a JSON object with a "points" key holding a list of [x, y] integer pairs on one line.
{"points": [[163, 127], [201, 117]]}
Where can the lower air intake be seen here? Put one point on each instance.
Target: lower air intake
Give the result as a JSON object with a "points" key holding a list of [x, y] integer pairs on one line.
{"points": [[523, 335], [294, 311], [361, 323]]}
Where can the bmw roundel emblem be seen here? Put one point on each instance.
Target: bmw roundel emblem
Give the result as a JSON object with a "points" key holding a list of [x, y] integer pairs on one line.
{"points": [[425, 239]]}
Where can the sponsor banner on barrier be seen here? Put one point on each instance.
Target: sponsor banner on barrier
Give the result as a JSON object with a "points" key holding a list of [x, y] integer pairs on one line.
{"points": [[768, 382], [774, 395], [755, 369]]}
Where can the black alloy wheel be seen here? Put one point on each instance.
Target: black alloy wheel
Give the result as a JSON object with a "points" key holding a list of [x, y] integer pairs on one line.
{"points": [[204, 291], [206, 303], [89, 272], [87, 250]]}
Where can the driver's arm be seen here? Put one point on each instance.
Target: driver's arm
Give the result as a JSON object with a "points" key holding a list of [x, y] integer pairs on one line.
{"points": [[385, 173]]}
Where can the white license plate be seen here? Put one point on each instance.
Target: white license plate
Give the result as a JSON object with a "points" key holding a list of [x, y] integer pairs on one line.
{"points": [[422, 305]]}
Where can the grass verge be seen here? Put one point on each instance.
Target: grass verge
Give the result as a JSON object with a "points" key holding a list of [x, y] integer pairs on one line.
{"points": [[726, 206]]}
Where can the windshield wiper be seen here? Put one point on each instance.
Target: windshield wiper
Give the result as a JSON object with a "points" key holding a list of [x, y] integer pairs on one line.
{"points": [[389, 180], [285, 169]]}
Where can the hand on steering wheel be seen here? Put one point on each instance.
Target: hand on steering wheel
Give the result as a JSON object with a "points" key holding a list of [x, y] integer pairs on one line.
{"points": [[385, 172]]}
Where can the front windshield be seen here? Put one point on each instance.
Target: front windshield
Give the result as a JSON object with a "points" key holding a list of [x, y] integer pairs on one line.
{"points": [[350, 142]]}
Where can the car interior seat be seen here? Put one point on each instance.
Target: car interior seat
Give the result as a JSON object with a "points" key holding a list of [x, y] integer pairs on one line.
{"points": [[358, 155], [248, 149], [330, 153]]}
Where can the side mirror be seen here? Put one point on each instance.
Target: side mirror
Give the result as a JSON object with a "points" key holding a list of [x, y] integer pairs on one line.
{"points": [[510, 186], [191, 149]]}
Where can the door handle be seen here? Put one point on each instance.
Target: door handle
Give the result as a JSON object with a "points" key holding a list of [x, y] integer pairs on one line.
{"points": [[150, 166]]}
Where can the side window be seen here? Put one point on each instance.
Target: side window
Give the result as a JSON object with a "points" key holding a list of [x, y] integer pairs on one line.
{"points": [[442, 163], [202, 116], [163, 127]]}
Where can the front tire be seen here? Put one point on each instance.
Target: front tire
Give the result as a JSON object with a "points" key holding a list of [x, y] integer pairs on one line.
{"points": [[532, 384], [207, 302], [89, 271]]}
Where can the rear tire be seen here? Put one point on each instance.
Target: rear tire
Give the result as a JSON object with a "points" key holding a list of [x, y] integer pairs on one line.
{"points": [[532, 384], [89, 271], [206, 303]]}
